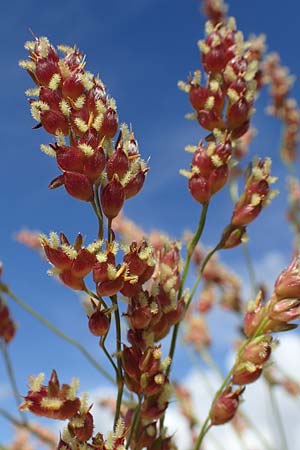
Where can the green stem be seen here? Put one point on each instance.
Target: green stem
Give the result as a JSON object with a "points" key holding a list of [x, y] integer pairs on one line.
{"points": [[95, 296], [57, 331], [26, 426], [278, 419], [12, 378], [190, 251], [205, 428], [134, 422], [100, 219], [192, 245], [119, 375], [200, 275]]}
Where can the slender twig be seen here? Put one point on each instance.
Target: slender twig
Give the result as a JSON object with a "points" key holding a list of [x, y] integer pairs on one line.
{"points": [[263, 323], [26, 426], [100, 219], [205, 428], [119, 375], [278, 419], [95, 296], [57, 331], [190, 251], [134, 422], [12, 378]]}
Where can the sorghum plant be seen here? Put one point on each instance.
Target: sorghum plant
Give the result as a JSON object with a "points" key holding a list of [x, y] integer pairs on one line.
{"points": [[138, 280]]}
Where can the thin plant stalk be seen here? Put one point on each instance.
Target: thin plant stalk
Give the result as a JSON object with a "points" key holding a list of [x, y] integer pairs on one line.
{"points": [[100, 219], [134, 422], [119, 376], [57, 331], [26, 426], [190, 251]]}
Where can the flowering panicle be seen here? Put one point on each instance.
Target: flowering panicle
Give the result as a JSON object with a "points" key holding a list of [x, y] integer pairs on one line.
{"points": [[256, 195], [283, 106], [224, 104], [71, 102]]}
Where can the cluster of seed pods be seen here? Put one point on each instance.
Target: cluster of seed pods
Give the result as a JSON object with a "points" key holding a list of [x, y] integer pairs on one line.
{"points": [[260, 321], [283, 106], [223, 104], [72, 103], [60, 402]]}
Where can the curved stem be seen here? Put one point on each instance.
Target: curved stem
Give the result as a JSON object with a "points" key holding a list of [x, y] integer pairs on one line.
{"points": [[205, 428], [57, 331], [12, 378]]}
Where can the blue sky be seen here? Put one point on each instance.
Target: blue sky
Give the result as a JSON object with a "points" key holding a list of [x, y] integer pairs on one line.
{"points": [[140, 48]]}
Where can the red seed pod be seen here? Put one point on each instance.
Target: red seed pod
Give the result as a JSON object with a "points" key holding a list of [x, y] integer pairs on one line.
{"points": [[174, 316], [70, 159], [99, 323], [203, 162], [45, 69], [259, 351], [287, 284], [54, 122], [52, 98], [246, 373], [198, 96], [233, 236], [112, 198], [135, 184], [72, 87], [244, 215], [218, 178], [118, 164], [238, 113], [110, 287], [140, 317], [79, 186], [130, 360], [215, 60], [225, 406], [252, 320], [71, 281], [82, 433], [131, 289], [52, 401], [209, 120], [57, 257], [147, 274], [152, 408], [109, 125], [95, 164], [83, 263], [200, 188]]}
